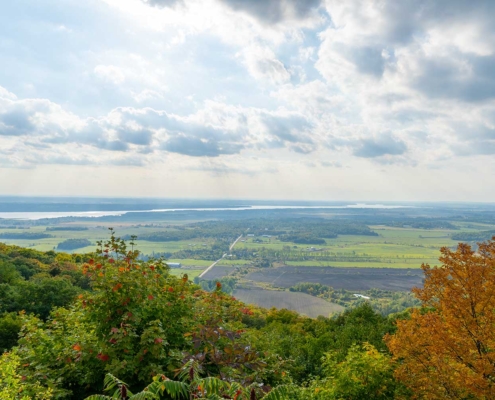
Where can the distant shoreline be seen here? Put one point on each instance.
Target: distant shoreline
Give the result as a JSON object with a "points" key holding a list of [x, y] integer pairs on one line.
{"points": [[35, 215]]}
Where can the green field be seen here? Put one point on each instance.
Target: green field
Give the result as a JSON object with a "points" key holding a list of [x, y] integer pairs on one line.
{"points": [[191, 262], [394, 248], [191, 273], [101, 233], [301, 302]]}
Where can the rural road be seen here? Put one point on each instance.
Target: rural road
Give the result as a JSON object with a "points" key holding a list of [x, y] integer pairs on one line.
{"points": [[215, 263], [233, 244]]}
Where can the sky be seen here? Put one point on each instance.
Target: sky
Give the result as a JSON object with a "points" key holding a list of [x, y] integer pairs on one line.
{"points": [[266, 99]]}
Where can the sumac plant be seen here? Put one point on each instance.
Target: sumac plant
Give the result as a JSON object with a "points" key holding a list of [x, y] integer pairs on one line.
{"points": [[140, 312], [192, 387], [221, 352]]}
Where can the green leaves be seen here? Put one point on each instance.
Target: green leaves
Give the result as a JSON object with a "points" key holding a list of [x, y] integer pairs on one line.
{"points": [[139, 311], [174, 389], [15, 386], [283, 392], [365, 373]]}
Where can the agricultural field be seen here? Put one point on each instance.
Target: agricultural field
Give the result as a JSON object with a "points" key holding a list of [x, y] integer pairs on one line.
{"points": [[340, 278], [301, 302], [388, 247], [95, 233], [218, 272], [392, 248], [190, 262]]}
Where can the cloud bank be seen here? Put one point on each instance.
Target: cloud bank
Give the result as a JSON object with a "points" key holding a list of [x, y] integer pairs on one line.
{"points": [[251, 86]]}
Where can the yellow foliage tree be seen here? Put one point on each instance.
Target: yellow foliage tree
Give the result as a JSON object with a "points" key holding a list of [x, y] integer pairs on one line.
{"points": [[13, 386], [446, 350]]}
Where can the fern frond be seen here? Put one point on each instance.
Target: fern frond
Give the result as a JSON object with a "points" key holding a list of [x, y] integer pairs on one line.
{"points": [[214, 397], [283, 392], [174, 389], [112, 382], [189, 371], [213, 385], [145, 395], [234, 388], [98, 397]]}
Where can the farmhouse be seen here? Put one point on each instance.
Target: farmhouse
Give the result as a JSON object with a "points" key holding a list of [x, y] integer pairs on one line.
{"points": [[174, 265]]}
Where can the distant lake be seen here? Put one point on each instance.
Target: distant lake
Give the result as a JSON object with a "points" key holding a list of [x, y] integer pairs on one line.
{"points": [[94, 214]]}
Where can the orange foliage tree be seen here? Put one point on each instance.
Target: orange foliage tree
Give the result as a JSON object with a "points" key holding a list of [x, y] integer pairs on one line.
{"points": [[447, 348]]}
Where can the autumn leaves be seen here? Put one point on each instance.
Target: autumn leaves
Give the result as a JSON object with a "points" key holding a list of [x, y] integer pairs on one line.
{"points": [[446, 348]]}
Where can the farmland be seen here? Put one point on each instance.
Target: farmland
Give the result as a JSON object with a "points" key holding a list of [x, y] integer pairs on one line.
{"points": [[218, 272], [96, 232], [393, 247], [341, 278], [301, 302], [356, 253]]}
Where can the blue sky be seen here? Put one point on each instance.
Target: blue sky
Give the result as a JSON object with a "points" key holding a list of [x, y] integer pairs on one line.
{"points": [[293, 99]]}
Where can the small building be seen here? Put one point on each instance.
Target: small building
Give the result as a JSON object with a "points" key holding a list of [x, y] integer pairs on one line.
{"points": [[174, 265], [361, 296]]}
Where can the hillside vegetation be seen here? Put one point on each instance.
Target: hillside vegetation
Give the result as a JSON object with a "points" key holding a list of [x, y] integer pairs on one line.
{"points": [[113, 323]]}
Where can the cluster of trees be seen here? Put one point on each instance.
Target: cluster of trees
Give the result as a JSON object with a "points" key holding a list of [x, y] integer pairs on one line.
{"points": [[72, 244], [473, 236], [423, 223], [174, 235], [228, 284], [302, 238], [385, 302], [322, 227], [34, 282], [138, 332], [316, 228], [66, 228], [25, 235], [212, 253]]}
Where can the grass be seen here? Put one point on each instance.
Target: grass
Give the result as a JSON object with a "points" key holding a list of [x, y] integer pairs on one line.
{"points": [[301, 302], [191, 262], [191, 273]]}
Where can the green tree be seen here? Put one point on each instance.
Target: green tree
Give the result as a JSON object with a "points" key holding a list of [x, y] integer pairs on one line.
{"points": [[365, 373], [14, 386], [10, 326]]}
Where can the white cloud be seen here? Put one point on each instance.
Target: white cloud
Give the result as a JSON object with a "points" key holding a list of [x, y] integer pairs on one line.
{"points": [[401, 87], [262, 64], [110, 73]]}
